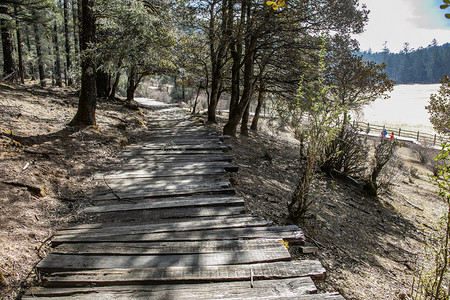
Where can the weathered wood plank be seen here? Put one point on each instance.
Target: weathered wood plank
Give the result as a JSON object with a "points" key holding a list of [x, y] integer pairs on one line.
{"points": [[178, 158], [72, 262], [145, 152], [167, 203], [149, 173], [108, 277], [156, 248], [186, 190], [172, 146], [275, 232], [290, 287], [169, 213], [161, 227], [174, 165], [188, 221]]}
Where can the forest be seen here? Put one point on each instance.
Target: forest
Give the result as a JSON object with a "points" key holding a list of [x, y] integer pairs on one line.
{"points": [[422, 65], [300, 54]]}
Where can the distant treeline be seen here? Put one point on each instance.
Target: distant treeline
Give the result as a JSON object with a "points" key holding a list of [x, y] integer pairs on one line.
{"points": [[423, 65]]}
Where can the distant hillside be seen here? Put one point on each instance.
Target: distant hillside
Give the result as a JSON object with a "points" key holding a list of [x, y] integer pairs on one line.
{"points": [[423, 65]]}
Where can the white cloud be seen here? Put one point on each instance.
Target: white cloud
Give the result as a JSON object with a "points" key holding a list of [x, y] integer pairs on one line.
{"points": [[417, 22]]}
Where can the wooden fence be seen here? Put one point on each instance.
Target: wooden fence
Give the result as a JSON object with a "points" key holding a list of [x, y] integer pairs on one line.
{"points": [[421, 137]]}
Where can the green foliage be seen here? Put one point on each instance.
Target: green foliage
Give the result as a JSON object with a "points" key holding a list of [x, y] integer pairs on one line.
{"points": [[428, 283], [315, 116], [439, 107]]}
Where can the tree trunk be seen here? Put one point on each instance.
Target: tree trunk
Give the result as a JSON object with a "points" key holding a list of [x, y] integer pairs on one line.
{"points": [[88, 94], [195, 101], [31, 64], [249, 62], [216, 86], [112, 93], [67, 44], [244, 123], [261, 97], [57, 57], [19, 48], [131, 84], [103, 84], [37, 40], [9, 67], [76, 45]]}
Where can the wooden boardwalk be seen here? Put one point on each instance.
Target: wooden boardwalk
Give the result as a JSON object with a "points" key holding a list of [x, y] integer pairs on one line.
{"points": [[167, 225]]}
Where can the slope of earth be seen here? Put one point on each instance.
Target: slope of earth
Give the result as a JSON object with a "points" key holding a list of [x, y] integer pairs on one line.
{"points": [[370, 247], [46, 169]]}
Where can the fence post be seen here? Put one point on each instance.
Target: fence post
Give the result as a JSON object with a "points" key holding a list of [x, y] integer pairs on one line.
{"points": [[417, 135], [399, 130], [434, 141]]}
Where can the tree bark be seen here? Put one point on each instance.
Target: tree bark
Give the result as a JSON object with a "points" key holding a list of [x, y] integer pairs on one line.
{"points": [[37, 40], [244, 123], [103, 84], [19, 49], [249, 62], [131, 84], [261, 97], [88, 95], [9, 66], [76, 45], [67, 44], [58, 79], [112, 93]]}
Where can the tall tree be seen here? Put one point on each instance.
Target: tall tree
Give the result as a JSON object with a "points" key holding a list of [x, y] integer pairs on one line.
{"points": [[57, 69], [9, 65], [38, 44], [19, 47], [67, 43], [87, 101]]}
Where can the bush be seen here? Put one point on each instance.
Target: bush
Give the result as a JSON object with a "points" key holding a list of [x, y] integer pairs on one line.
{"points": [[347, 154]]}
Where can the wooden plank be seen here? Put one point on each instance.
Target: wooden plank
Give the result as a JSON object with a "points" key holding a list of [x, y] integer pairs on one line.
{"points": [[193, 189], [145, 152], [168, 203], [181, 222], [289, 287], [275, 232], [112, 229], [177, 158], [169, 146], [170, 213], [108, 277], [149, 173], [174, 165], [156, 248], [175, 180], [73, 262]]}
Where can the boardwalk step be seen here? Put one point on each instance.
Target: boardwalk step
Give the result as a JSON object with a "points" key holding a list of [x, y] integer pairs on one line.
{"points": [[187, 225], [149, 173], [166, 247], [167, 203], [177, 158], [73, 262], [193, 189], [291, 287], [276, 232], [107, 277], [170, 213], [157, 166]]}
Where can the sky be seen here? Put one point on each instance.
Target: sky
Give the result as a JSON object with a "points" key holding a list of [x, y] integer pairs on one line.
{"points": [[417, 22]]}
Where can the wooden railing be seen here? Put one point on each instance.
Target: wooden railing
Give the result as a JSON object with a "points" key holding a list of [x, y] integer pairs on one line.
{"points": [[423, 138]]}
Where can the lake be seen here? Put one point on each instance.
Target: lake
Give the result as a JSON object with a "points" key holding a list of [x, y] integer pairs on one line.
{"points": [[404, 109]]}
